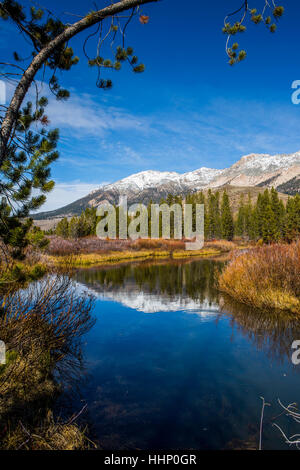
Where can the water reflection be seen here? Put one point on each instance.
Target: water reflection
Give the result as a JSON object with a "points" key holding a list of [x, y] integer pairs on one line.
{"points": [[271, 332], [152, 288], [174, 364], [191, 287]]}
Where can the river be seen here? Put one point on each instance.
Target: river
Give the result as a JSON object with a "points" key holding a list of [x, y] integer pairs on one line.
{"points": [[173, 364]]}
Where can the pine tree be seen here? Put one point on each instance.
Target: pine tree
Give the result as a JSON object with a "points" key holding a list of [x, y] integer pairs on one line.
{"points": [[218, 223], [248, 212], [227, 225], [240, 226], [73, 228], [254, 231], [90, 215], [62, 228], [27, 149], [269, 225], [292, 218], [213, 217], [279, 214]]}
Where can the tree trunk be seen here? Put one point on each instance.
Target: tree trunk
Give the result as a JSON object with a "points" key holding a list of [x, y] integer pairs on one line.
{"points": [[8, 123]]}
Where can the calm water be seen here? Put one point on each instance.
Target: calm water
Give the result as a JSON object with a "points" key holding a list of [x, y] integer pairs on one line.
{"points": [[171, 364]]}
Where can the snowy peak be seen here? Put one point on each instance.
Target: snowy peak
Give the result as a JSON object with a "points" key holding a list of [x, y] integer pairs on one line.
{"points": [[151, 179], [201, 177], [282, 171], [250, 170], [144, 179], [265, 162]]}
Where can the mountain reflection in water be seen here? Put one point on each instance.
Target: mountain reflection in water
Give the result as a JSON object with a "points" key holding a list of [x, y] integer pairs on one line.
{"points": [[190, 375]]}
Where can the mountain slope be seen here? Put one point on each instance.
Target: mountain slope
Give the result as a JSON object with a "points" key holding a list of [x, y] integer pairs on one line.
{"points": [[254, 170]]}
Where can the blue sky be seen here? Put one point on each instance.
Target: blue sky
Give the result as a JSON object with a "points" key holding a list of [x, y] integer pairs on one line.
{"points": [[188, 109]]}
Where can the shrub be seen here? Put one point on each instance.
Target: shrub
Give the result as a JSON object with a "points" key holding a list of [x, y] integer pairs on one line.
{"points": [[59, 246], [265, 277], [41, 328], [158, 244]]}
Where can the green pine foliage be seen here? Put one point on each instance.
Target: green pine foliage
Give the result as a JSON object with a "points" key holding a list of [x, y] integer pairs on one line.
{"points": [[266, 219], [62, 228], [27, 155], [227, 225], [26, 176], [232, 28], [78, 227], [269, 219]]}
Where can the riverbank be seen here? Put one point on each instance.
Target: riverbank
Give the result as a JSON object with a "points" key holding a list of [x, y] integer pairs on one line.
{"points": [[265, 277], [84, 260], [92, 251]]}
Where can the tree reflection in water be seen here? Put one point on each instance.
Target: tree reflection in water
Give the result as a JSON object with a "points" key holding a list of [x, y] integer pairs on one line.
{"points": [[196, 280]]}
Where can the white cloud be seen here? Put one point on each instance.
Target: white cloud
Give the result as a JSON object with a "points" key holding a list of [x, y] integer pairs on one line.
{"points": [[65, 193], [88, 115]]}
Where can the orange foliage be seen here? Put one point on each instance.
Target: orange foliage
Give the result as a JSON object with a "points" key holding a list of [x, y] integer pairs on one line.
{"points": [[144, 19], [265, 277]]}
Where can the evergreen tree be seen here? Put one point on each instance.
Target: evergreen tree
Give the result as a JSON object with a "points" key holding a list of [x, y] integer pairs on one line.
{"points": [[73, 228], [218, 223], [254, 225], [292, 218], [227, 225], [27, 149], [248, 212], [62, 228], [278, 209], [240, 226], [269, 226], [213, 218]]}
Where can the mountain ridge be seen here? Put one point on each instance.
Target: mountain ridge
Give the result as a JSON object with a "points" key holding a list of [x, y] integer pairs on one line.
{"points": [[281, 171]]}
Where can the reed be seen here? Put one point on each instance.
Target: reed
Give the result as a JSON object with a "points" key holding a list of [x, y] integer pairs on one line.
{"points": [[90, 259], [266, 277], [196, 253]]}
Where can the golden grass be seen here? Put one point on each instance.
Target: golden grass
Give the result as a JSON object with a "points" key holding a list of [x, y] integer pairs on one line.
{"points": [[223, 245], [114, 257], [90, 259], [49, 435], [17, 272], [265, 277], [204, 252]]}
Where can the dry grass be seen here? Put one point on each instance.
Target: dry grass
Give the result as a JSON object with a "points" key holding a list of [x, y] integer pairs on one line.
{"points": [[18, 273], [203, 252], [222, 245], [93, 245], [50, 435], [266, 277], [114, 257], [41, 328], [158, 244], [93, 251], [84, 260], [59, 246]]}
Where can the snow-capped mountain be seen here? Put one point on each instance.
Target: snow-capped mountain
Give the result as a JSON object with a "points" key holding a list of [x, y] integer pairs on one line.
{"points": [[261, 170], [151, 179], [142, 300], [144, 180], [153, 303]]}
